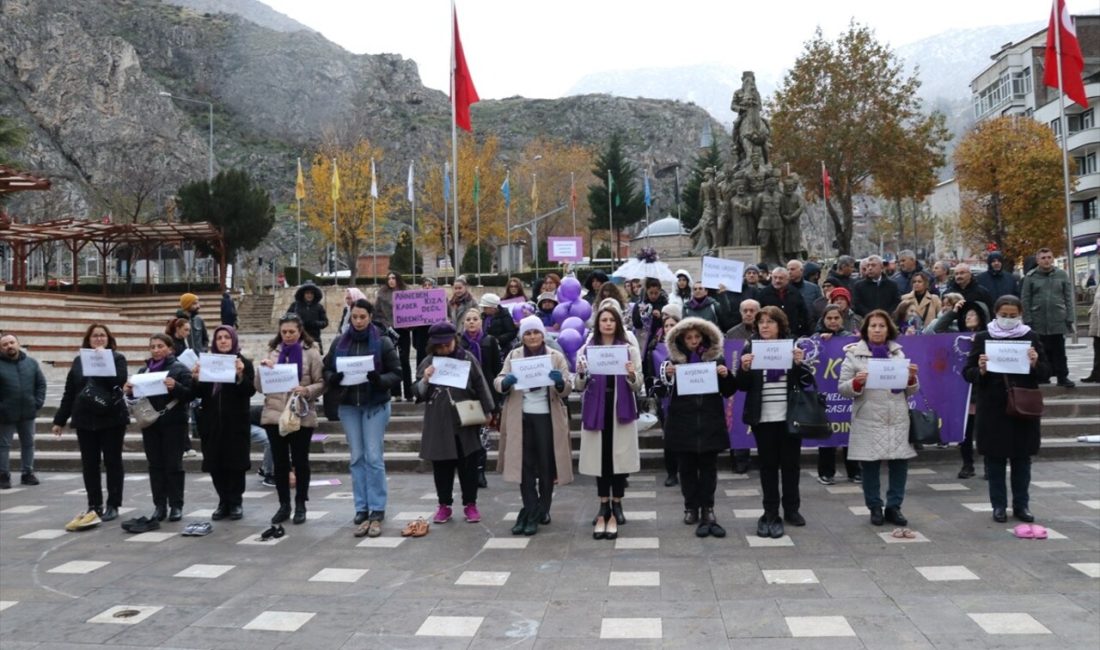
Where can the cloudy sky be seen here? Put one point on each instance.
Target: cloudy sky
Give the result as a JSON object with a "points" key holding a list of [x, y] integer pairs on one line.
{"points": [[539, 49]]}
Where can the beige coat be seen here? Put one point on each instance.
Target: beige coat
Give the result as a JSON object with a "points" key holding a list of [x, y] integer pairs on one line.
{"points": [[1094, 316], [880, 418], [928, 308], [510, 456], [311, 379], [625, 458]]}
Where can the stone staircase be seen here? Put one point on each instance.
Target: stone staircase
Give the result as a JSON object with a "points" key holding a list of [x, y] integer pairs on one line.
{"points": [[254, 313]]}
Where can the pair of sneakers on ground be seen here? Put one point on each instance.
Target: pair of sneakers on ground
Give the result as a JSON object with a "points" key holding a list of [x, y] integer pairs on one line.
{"points": [[28, 478], [443, 513], [369, 523]]}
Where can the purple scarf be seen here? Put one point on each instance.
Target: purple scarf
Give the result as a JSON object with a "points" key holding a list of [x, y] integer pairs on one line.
{"points": [[473, 343], [153, 366], [697, 304], [486, 322], [997, 332], [593, 404], [879, 350], [292, 354]]}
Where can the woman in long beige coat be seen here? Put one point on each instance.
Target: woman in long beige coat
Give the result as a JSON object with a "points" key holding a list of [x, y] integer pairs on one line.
{"points": [[292, 345], [609, 421], [880, 417], [534, 429], [922, 299]]}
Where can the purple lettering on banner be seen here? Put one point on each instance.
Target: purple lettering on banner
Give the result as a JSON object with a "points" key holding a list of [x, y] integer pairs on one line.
{"points": [[940, 359], [419, 307]]}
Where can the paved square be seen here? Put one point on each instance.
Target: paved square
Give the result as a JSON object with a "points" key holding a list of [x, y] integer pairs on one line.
{"points": [[45, 533], [381, 542], [636, 543], [819, 626], [508, 543], [946, 573], [151, 537], [79, 566], [279, 621], [208, 571], [338, 575], [948, 487], [483, 578], [1091, 569], [1009, 623], [125, 614], [634, 579], [790, 577], [768, 542], [4, 604], [631, 628], [461, 626], [21, 510]]}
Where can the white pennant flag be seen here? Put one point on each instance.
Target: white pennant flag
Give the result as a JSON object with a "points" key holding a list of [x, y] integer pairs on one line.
{"points": [[411, 195], [373, 181]]}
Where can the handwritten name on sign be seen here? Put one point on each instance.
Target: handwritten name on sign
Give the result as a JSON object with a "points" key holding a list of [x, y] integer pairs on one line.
{"points": [[217, 368], [97, 363], [697, 378], [607, 359], [280, 379], [728, 273], [355, 369], [888, 374], [777, 354], [1008, 357], [148, 384], [419, 307], [450, 372], [532, 372]]}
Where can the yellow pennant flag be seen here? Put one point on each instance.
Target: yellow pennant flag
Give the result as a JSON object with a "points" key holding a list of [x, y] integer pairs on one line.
{"points": [[534, 194], [335, 182], [300, 185]]}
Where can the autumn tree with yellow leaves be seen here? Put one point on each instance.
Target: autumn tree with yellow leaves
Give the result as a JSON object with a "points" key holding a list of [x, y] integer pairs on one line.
{"points": [[1010, 177]]}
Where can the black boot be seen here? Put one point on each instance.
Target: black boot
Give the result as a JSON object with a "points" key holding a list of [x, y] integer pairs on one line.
{"points": [[482, 482], [282, 514], [894, 516], [617, 510], [876, 516], [160, 513], [5, 481], [691, 516], [521, 522], [300, 512]]}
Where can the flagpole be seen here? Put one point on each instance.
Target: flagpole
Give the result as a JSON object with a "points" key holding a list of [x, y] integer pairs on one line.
{"points": [[535, 223], [1065, 151], [477, 217], [446, 227], [412, 202], [374, 223], [335, 250], [573, 200], [454, 138], [508, 218], [646, 208], [298, 236]]}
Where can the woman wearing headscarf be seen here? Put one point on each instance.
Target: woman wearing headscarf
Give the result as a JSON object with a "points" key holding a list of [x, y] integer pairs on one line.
{"points": [[224, 426], [351, 294]]}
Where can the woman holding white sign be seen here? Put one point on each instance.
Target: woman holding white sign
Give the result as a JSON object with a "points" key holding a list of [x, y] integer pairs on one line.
{"points": [[165, 439], [383, 318], [695, 425], [879, 427], [451, 446], [224, 426], [609, 415], [364, 399], [291, 346], [534, 424], [1007, 356], [766, 413], [486, 350]]}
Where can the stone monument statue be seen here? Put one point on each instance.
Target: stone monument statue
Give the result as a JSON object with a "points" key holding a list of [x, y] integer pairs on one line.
{"points": [[751, 132], [770, 221], [792, 207], [703, 235], [725, 193], [743, 231]]}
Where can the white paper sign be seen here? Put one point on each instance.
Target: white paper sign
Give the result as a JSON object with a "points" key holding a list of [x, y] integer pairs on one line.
{"points": [[450, 372], [1008, 357], [148, 384], [532, 372], [697, 378], [777, 354], [217, 368], [729, 273], [889, 374], [97, 363], [188, 358], [355, 369], [607, 359], [280, 379]]}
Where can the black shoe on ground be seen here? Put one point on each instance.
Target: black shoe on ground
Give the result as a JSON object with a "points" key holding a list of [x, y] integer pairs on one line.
{"points": [[109, 514], [300, 513], [282, 514], [672, 481], [876, 516], [29, 478], [160, 513], [794, 518], [175, 514], [531, 525], [617, 510], [1091, 379], [5, 481], [1066, 383], [762, 526], [1023, 514], [360, 517], [716, 530], [999, 515], [219, 513], [967, 471], [691, 516], [742, 467], [545, 521], [775, 527], [521, 521], [894, 516], [702, 529], [482, 482], [236, 512]]}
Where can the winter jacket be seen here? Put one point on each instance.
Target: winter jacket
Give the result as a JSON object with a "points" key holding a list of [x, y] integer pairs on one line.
{"points": [[175, 418], [455, 310], [792, 304], [751, 382], [675, 297], [999, 283], [84, 417], [22, 388], [383, 308], [312, 378], [707, 310], [502, 328], [904, 280], [840, 280], [811, 293], [974, 292], [491, 361], [228, 311], [625, 457], [1048, 301], [1094, 317], [880, 418], [998, 434], [314, 318], [867, 295], [224, 425], [441, 424], [387, 365], [928, 307], [199, 339], [696, 423]]}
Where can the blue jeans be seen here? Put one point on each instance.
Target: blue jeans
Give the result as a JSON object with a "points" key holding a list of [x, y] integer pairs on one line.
{"points": [[259, 437], [365, 427], [1021, 480], [25, 429], [898, 469]]}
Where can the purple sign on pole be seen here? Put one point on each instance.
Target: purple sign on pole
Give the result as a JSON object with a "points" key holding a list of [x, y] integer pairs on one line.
{"points": [[940, 359], [565, 249], [419, 307]]}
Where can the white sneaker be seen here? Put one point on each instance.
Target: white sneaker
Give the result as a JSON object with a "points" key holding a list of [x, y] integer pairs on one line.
{"points": [[826, 480]]}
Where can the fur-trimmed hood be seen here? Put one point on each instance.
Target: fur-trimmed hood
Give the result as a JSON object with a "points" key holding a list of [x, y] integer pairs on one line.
{"points": [[712, 338]]}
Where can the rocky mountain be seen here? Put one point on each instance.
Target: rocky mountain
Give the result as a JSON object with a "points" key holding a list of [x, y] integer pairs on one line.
{"points": [[86, 79], [251, 10]]}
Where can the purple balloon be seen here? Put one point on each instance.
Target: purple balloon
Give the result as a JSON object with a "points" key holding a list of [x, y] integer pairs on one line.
{"points": [[518, 311], [561, 312], [581, 310], [569, 290], [570, 341], [573, 323]]}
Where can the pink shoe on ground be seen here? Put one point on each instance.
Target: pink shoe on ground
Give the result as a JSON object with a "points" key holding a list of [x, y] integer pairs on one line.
{"points": [[472, 515], [442, 514]]}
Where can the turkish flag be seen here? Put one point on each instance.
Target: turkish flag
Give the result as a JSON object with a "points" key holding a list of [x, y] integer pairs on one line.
{"points": [[463, 92], [826, 182], [1073, 64]]}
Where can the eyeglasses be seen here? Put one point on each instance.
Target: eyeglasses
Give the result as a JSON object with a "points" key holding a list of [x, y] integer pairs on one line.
{"points": [[290, 318]]}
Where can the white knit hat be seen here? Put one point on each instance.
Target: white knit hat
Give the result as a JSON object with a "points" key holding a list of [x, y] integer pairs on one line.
{"points": [[531, 323]]}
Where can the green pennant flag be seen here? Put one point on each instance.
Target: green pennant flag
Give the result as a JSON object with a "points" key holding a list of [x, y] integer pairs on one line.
{"points": [[612, 188], [477, 186]]}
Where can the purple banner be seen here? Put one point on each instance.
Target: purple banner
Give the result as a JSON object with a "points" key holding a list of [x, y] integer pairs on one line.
{"points": [[565, 249], [940, 359], [419, 307]]}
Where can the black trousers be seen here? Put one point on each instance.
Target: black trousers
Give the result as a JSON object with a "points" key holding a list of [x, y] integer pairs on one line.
{"points": [[608, 483], [538, 463], [230, 487], [779, 454], [284, 449], [1055, 347], [826, 462], [1095, 357], [164, 445], [105, 443], [404, 345], [444, 473], [698, 478], [966, 447]]}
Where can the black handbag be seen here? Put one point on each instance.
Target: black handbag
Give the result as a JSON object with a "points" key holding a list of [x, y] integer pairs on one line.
{"points": [[99, 399], [924, 426], [806, 413]]}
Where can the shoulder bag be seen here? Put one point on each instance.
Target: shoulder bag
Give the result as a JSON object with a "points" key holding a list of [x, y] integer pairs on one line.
{"points": [[924, 426], [297, 407], [143, 412], [1023, 403], [469, 411], [806, 412]]}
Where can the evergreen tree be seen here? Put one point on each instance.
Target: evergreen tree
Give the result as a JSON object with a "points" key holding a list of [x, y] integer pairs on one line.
{"points": [[402, 253], [709, 157], [242, 211], [11, 138], [627, 205], [469, 259]]}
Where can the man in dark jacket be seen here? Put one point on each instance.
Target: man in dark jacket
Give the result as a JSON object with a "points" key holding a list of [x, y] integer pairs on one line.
{"points": [[809, 289], [22, 394], [874, 291], [841, 276], [229, 310], [189, 309], [497, 322], [965, 284], [998, 280], [781, 294], [907, 267], [310, 308]]}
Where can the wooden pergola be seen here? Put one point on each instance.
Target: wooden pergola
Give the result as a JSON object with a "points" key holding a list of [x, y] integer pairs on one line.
{"points": [[75, 234], [13, 180]]}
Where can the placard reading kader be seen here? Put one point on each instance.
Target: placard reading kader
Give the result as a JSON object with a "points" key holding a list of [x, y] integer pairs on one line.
{"points": [[419, 307], [355, 369]]}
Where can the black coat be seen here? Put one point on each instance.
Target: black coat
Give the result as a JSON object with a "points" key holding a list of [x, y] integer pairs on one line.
{"points": [[314, 318], [441, 425], [503, 329], [868, 296], [974, 292], [229, 311], [82, 417], [492, 361], [177, 416], [793, 305], [365, 394], [224, 423], [752, 383], [998, 434], [697, 423]]}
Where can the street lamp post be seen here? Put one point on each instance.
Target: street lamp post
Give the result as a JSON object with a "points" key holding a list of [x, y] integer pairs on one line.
{"points": [[210, 113]]}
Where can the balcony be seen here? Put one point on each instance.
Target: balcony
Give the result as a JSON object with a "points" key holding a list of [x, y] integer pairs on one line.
{"points": [[1087, 185], [1085, 138]]}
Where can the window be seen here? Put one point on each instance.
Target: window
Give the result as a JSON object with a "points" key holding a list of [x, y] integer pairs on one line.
{"points": [[1085, 164], [1083, 210], [1080, 121], [1021, 82], [1056, 126]]}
